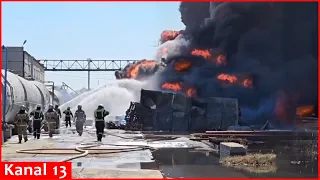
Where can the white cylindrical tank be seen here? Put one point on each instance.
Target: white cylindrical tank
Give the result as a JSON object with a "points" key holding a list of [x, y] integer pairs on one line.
{"points": [[23, 92]]}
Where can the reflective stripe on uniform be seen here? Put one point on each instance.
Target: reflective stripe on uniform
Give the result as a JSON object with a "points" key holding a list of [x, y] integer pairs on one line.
{"points": [[99, 120], [98, 110]]}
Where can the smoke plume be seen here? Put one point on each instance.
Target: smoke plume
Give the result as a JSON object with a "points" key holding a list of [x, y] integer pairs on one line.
{"points": [[263, 54]]}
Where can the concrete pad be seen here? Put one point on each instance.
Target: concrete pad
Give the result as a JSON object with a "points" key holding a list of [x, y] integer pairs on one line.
{"points": [[120, 164], [231, 149], [114, 173]]}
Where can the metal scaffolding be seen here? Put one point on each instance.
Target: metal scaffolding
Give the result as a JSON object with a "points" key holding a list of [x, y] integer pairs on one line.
{"points": [[85, 65]]}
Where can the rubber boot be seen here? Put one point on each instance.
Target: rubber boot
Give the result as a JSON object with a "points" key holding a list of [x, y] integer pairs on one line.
{"points": [[25, 139], [38, 136], [20, 139], [99, 137], [50, 134]]}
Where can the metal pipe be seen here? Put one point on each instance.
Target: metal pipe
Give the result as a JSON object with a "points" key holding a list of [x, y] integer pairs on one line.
{"points": [[4, 94], [89, 62], [52, 90]]}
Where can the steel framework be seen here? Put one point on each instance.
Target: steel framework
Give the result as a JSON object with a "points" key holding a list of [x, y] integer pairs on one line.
{"points": [[85, 65]]}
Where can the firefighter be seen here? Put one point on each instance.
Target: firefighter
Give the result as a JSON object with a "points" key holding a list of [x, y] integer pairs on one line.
{"points": [[99, 115], [56, 108], [68, 115], [21, 120], [37, 119], [79, 118], [51, 118]]}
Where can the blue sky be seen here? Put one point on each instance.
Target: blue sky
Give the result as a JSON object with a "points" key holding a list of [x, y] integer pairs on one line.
{"points": [[88, 30]]}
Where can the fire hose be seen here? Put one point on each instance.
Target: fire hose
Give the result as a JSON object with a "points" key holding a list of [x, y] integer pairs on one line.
{"points": [[81, 151], [85, 149]]}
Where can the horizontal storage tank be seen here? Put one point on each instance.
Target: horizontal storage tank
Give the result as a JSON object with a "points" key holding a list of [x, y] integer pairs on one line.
{"points": [[23, 92]]}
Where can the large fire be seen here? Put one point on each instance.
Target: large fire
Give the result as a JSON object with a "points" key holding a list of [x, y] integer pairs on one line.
{"points": [[182, 65], [134, 69], [229, 78], [225, 58], [203, 53], [191, 92], [172, 86], [168, 35], [305, 110], [218, 59], [238, 80], [179, 87]]}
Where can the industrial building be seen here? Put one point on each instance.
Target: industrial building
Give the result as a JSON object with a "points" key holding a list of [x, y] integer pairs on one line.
{"points": [[20, 62]]}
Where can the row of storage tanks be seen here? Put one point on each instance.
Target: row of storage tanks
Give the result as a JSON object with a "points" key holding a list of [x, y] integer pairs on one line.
{"points": [[28, 93]]}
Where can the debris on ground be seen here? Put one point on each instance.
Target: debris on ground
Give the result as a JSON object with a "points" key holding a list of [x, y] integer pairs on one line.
{"points": [[257, 163]]}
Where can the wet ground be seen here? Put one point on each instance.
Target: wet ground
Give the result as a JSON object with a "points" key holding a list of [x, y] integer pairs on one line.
{"points": [[168, 157], [108, 163], [177, 163]]}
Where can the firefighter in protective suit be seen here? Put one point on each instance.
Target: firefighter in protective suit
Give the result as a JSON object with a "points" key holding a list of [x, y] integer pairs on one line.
{"points": [[56, 108], [99, 115], [21, 120], [51, 117], [68, 115], [37, 119], [79, 118]]}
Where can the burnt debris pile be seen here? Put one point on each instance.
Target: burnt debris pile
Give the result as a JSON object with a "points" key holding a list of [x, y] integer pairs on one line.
{"points": [[173, 112], [263, 54]]}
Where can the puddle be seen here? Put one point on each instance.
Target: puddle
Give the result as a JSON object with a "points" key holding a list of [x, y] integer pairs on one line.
{"points": [[186, 163]]}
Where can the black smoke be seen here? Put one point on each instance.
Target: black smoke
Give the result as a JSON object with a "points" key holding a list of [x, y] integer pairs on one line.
{"points": [[274, 43]]}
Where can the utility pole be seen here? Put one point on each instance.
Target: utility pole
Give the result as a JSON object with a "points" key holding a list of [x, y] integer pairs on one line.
{"points": [[89, 62], [4, 93]]}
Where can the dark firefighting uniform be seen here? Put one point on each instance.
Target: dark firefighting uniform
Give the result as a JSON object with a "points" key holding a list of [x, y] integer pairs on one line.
{"points": [[99, 115], [37, 119], [68, 115]]}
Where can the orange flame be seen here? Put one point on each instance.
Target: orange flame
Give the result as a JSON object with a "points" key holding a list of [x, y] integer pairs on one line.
{"points": [[191, 92], [230, 78], [182, 65], [169, 35], [172, 86], [206, 54], [203, 53], [133, 72], [247, 83], [221, 59], [305, 110]]}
